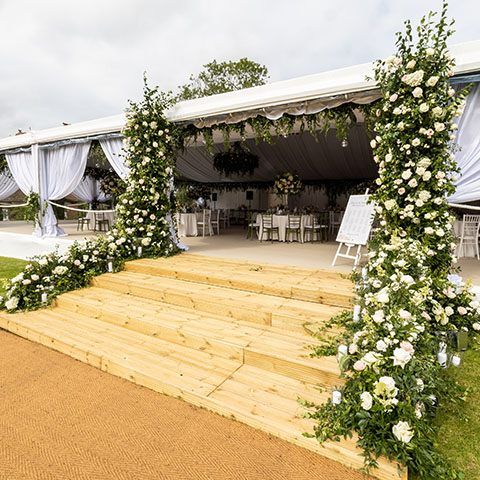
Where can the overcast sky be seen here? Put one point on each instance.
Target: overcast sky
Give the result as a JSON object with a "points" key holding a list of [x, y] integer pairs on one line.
{"points": [[74, 60]]}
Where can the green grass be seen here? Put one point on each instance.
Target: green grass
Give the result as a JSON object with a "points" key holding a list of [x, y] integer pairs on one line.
{"points": [[9, 267], [459, 436]]}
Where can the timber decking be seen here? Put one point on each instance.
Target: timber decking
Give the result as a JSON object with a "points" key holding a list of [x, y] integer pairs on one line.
{"points": [[222, 334]]}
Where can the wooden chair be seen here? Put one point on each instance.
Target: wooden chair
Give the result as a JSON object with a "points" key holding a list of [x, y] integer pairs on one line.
{"points": [[470, 234], [294, 227], [204, 219], [267, 227], [215, 221], [82, 222], [102, 224], [335, 220], [252, 225], [318, 229], [224, 218]]}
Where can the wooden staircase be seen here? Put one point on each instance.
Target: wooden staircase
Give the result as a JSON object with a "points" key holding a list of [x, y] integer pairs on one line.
{"points": [[222, 334]]}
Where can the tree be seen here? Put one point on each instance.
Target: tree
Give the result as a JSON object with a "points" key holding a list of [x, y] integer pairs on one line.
{"points": [[224, 77]]}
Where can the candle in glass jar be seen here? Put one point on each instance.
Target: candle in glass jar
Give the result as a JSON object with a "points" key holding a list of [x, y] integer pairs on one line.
{"points": [[139, 251], [110, 266], [356, 313], [44, 297]]}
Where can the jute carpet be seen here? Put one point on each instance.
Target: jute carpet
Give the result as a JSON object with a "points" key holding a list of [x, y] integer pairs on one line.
{"points": [[63, 420]]}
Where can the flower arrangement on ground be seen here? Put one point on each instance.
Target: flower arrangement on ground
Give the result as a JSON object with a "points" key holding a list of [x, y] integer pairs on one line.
{"points": [[408, 303], [144, 220]]}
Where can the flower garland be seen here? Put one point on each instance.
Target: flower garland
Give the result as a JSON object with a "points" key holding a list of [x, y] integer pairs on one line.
{"points": [[396, 340], [143, 226], [287, 184]]}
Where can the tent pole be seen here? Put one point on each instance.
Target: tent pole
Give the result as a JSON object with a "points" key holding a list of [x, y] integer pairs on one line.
{"points": [[37, 166]]}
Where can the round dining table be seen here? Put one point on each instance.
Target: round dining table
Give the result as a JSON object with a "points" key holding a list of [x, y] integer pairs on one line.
{"points": [[187, 224], [281, 221], [466, 250]]}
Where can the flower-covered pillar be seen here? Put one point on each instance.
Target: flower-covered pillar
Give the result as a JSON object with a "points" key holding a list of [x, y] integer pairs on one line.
{"points": [[408, 306], [147, 207]]}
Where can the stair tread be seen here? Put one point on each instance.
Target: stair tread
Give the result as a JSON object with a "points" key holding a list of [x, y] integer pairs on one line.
{"points": [[274, 344]]}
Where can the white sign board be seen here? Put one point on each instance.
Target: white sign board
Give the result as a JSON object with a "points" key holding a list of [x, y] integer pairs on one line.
{"points": [[357, 221]]}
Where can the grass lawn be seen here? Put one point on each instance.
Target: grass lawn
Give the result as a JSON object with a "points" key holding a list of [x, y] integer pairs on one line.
{"points": [[459, 436], [9, 267]]}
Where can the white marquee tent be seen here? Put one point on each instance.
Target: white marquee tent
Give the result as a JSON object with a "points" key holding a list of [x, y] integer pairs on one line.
{"points": [[52, 161]]}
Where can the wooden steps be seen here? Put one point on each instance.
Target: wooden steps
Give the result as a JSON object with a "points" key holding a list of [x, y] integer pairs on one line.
{"points": [[311, 285], [176, 326]]}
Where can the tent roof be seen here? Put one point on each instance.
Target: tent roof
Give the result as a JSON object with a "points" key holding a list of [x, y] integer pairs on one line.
{"points": [[348, 82]]}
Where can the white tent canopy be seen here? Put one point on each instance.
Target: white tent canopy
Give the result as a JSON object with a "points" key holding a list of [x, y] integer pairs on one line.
{"points": [[308, 94]]}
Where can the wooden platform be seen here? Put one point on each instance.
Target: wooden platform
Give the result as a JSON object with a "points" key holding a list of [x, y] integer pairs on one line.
{"points": [[222, 334]]}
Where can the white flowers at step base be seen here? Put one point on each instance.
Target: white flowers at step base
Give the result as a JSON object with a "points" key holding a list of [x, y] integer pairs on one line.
{"points": [[11, 303], [60, 270], [385, 391], [413, 79], [403, 432], [367, 400]]}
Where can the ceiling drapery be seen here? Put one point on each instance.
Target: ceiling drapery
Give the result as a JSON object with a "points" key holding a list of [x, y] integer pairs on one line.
{"points": [[312, 159]]}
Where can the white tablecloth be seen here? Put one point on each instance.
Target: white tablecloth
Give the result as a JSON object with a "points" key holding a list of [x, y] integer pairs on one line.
{"points": [[281, 221], [467, 250], [110, 216], [187, 225]]}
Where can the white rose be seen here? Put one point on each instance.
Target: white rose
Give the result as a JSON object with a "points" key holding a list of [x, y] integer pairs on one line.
{"points": [[476, 326], [437, 111], [401, 357], [424, 107], [378, 316], [417, 92], [77, 262], [390, 204], [397, 111], [408, 279], [382, 296], [415, 142], [367, 400], [393, 97], [413, 79], [381, 346], [402, 432], [35, 277], [27, 281], [429, 230], [43, 262], [412, 183], [405, 314], [406, 174], [462, 310], [430, 51], [432, 81], [439, 126], [11, 303], [411, 64]]}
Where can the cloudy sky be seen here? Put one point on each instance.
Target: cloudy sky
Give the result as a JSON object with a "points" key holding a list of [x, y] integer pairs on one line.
{"points": [[74, 60]]}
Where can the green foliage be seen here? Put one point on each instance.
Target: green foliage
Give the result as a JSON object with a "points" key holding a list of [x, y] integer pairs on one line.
{"points": [[9, 267], [3, 165], [407, 302], [236, 160], [221, 77], [33, 210]]}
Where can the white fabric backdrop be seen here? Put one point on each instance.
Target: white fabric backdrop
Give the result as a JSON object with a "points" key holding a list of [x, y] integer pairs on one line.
{"points": [[113, 149], [24, 173], [88, 190], [63, 169], [8, 186], [468, 157]]}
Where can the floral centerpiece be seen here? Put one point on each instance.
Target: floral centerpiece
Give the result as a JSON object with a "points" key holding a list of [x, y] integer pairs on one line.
{"points": [[396, 342], [287, 184]]}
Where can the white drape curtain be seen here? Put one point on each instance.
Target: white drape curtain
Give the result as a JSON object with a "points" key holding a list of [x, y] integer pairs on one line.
{"points": [[63, 168], [113, 149], [88, 190], [468, 157], [24, 172], [8, 186]]}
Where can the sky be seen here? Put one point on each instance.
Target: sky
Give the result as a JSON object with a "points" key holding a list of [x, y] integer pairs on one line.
{"points": [[76, 60]]}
